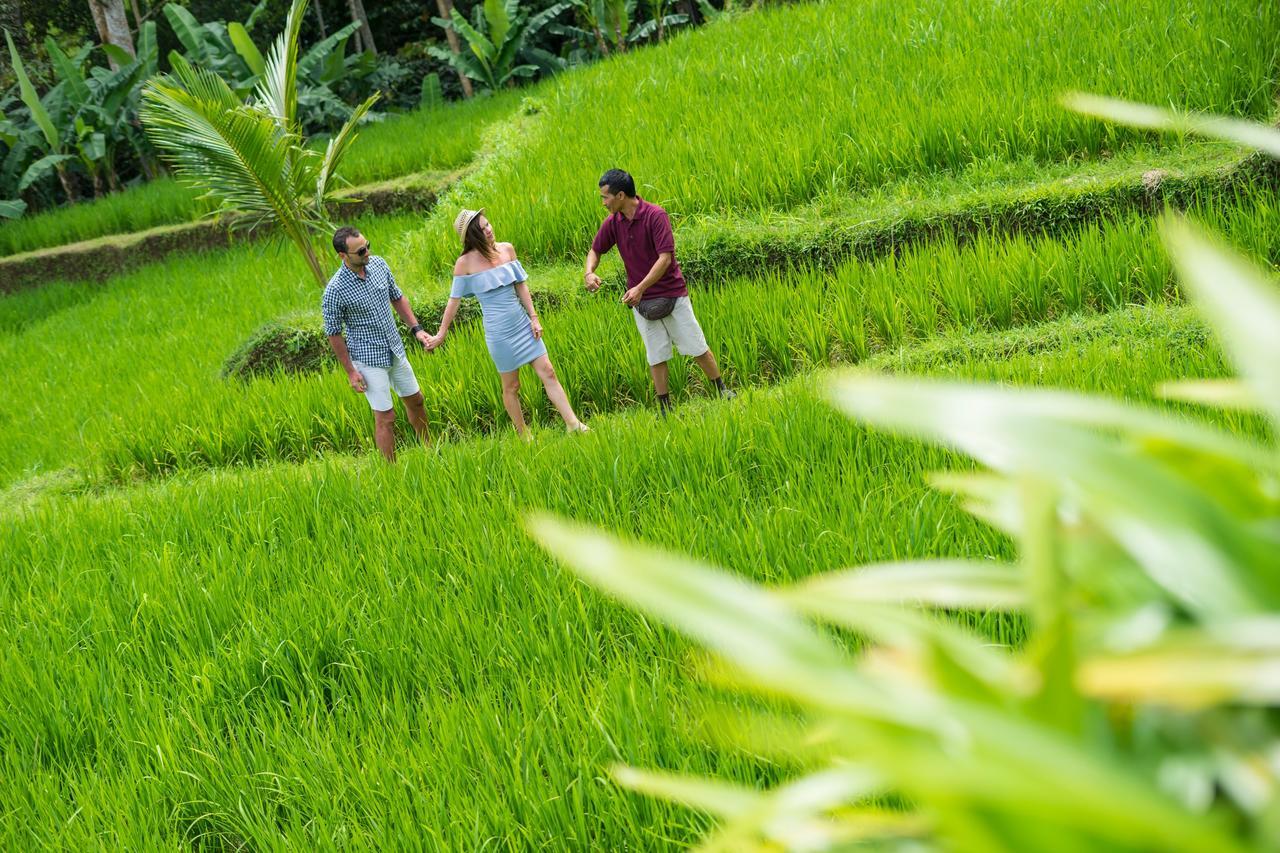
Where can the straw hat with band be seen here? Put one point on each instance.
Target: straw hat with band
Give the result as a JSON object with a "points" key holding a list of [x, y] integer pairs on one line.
{"points": [[463, 221]]}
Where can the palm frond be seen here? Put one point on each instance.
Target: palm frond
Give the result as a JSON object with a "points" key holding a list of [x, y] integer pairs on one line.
{"points": [[278, 88], [336, 150], [240, 155]]}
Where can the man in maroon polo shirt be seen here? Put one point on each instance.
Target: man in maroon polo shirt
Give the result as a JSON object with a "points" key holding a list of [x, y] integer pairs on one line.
{"points": [[656, 290]]}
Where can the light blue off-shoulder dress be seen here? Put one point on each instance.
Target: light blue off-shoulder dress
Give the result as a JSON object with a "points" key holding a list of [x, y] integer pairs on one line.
{"points": [[507, 329]]}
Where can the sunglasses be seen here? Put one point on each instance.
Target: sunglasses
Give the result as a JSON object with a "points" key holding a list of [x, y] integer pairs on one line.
{"points": [[362, 251]]}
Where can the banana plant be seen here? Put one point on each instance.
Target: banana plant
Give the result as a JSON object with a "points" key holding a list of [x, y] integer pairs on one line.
{"points": [[659, 22], [101, 108], [609, 26], [225, 48], [228, 50], [605, 23], [48, 140], [501, 48], [323, 67], [250, 155], [10, 208], [15, 150], [81, 121]]}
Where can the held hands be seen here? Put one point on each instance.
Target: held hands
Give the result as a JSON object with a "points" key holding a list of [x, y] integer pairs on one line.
{"points": [[423, 338], [357, 382], [592, 281], [433, 341]]}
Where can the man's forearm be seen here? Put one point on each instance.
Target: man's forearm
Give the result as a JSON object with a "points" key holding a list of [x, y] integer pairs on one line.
{"points": [[406, 313], [657, 271], [593, 261], [339, 346]]}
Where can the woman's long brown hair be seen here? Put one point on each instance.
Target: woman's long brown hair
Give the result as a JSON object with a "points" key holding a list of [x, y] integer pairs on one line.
{"points": [[474, 240]]}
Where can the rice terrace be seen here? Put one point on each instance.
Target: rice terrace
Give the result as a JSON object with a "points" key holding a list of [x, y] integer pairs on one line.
{"points": [[640, 425]]}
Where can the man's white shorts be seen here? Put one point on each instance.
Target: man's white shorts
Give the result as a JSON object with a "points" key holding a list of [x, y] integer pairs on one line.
{"points": [[380, 380], [679, 327]]}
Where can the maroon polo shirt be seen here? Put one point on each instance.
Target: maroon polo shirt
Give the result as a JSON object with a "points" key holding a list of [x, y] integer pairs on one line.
{"points": [[640, 240]]}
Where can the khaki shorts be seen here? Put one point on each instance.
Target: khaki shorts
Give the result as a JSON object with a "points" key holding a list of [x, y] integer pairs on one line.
{"points": [[679, 328], [380, 380]]}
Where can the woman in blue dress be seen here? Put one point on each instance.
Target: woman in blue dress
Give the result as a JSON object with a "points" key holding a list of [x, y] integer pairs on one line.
{"points": [[490, 272]]}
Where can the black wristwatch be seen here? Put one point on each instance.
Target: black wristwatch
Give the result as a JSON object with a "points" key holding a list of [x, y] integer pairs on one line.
{"points": [[417, 327]]}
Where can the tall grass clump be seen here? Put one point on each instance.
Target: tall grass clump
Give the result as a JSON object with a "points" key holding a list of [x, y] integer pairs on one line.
{"points": [[791, 102]]}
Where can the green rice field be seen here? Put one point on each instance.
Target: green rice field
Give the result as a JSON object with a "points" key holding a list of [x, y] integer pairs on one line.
{"points": [[229, 625]]}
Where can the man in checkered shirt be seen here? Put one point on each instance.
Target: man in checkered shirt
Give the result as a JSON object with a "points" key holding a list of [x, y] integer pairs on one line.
{"points": [[359, 298]]}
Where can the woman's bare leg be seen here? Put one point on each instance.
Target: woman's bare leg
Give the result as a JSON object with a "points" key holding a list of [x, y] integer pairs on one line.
{"points": [[555, 391], [511, 398]]}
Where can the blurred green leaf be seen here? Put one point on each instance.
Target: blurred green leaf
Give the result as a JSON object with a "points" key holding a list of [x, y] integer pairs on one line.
{"points": [[1207, 559], [1052, 646], [721, 799], [1248, 133], [982, 585], [1218, 393], [12, 208], [1194, 667], [1242, 304], [934, 644]]}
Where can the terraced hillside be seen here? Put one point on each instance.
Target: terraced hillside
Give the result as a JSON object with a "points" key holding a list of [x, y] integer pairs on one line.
{"points": [[232, 626]]}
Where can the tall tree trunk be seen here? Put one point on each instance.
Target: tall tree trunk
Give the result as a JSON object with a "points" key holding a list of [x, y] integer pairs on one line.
{"points": [[113, 179], [601, 44], [445, 8], [366, 34], [320, 19], [68, 182], [113, 25]]}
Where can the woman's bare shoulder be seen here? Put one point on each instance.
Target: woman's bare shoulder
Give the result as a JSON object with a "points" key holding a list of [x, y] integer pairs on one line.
{"points": [[466, 264]]}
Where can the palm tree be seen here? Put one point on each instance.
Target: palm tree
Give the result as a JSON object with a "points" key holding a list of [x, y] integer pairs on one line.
{"points": [[250, 156]]}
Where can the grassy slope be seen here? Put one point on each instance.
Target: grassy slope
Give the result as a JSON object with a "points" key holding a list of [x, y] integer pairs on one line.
{"points": [[844, 97], [271, 657], [777, 108], [216, 655], [149, 400]]}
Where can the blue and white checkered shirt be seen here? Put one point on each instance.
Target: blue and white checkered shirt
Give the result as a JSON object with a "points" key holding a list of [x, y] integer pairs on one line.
{"points": [[363, 307]]}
